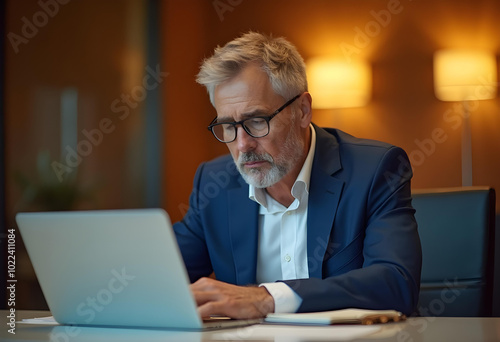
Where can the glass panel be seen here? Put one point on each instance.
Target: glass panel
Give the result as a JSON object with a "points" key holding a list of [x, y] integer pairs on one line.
{"points": [[77, 85]]}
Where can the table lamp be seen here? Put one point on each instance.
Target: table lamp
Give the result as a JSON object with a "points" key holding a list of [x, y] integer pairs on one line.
{"points": [[462, 76], [336, 83]]}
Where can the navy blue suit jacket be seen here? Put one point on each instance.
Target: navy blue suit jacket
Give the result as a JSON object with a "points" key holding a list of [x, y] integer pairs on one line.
{"points": [[363, 248]]}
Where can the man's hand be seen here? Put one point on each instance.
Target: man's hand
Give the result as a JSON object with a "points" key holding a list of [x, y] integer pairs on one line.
{"points": [[218, 298]]}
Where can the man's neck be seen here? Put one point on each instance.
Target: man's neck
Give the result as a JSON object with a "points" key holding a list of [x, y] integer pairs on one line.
{"points": [[282, 193]]}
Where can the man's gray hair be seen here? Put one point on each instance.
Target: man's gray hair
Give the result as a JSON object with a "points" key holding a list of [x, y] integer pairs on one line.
{"points": [[277, 57]]}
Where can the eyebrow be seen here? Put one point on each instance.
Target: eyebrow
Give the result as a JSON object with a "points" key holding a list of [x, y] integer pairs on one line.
{"points": [[244, 116]]}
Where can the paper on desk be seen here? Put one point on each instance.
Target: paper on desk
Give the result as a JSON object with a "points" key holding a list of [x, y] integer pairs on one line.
{"points": [[40, 320], [360, 316]]}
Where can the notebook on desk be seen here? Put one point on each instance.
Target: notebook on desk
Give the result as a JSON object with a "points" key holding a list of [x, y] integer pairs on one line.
{"points": [[113, 268]]}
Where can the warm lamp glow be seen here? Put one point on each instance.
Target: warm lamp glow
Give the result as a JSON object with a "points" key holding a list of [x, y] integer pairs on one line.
{"points": [[338, 83], [461, 75]]}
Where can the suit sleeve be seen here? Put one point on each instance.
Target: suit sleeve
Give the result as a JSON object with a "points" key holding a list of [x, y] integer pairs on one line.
{"points": [[191, 237], [389, 277]]}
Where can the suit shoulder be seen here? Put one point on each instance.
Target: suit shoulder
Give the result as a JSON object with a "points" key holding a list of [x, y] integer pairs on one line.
{"points": [[222, 164], [221, 161], [349, 142], [347, 139]]}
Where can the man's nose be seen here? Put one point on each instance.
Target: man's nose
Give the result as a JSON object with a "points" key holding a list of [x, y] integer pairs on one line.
{"points": [[244, 141]]}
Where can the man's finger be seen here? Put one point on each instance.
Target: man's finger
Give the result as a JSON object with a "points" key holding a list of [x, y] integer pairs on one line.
{"points": [[204, 284], [212, 308], [202, 297]]}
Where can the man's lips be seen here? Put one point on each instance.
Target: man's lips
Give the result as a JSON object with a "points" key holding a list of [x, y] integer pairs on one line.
{"points": [[253, 164]]}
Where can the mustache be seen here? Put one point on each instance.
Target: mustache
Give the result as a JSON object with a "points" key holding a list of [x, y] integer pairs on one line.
{"points": [[248, 157]]}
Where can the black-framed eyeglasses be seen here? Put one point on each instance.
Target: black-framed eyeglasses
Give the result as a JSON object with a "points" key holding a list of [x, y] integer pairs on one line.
{"points": [[256, 127]]}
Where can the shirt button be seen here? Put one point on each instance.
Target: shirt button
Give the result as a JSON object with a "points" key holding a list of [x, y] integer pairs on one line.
{"points": [[288, 258]]}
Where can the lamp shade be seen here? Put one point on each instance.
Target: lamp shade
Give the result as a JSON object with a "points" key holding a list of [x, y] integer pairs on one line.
{"points": [[461, 75], [336, 83]]}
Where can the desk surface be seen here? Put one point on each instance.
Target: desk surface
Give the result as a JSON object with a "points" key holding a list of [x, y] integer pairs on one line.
{"points": [[414, 329]]}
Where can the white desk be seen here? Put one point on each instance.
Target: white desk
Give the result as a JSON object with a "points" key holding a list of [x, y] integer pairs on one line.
{"points": [[415, 329]]}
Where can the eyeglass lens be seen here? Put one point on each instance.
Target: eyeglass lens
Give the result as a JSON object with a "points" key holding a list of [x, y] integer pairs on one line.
{"points": [[256, 127]]}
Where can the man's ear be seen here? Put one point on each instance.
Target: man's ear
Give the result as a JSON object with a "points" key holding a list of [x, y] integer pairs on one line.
{"points": [[305, 102]]}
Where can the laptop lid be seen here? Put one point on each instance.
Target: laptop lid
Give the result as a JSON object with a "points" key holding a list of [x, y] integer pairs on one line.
{"points": [[110, 267]]}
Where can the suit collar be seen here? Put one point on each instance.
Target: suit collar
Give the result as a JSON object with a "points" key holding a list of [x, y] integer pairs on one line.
{"points": [[327, 155]]}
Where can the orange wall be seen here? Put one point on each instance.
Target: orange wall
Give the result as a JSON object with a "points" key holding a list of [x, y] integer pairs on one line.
{"points": [[403, 109]]}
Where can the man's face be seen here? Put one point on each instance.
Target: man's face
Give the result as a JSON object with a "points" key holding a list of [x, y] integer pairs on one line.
{"points": [[264, 161]]}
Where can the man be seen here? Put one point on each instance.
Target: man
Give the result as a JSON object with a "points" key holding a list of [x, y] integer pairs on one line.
{"points": [[319, 219]]}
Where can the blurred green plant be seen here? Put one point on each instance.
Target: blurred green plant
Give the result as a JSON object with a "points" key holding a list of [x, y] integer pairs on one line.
{"points": [[45, 192]]}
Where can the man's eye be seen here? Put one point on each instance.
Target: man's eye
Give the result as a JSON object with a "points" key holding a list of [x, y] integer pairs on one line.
{"points": [[257, 121], [228, 128], [256, 124]]}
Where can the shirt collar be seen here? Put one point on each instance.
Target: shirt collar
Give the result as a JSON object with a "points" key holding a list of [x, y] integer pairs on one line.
{"points": [[301, 185]]}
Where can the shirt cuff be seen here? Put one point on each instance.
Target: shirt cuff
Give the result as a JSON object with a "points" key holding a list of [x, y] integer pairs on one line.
{"points": [[285, 299]]}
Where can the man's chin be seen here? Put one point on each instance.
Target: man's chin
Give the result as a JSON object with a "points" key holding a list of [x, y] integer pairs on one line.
{"points": [[254, 178], [259, 180]]}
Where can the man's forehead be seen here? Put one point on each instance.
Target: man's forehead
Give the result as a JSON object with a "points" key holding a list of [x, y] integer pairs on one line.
{"points": [[249, 93]]}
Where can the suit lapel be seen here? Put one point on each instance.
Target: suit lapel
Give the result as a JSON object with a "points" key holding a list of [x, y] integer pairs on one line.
{"points": [[324, 197], [243, 231]]}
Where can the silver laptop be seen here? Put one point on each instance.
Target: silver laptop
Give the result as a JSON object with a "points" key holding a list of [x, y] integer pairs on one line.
{"points": [[113, 268]]}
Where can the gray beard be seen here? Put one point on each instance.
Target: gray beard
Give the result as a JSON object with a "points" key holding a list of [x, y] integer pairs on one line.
{"points": [[285, 161]]}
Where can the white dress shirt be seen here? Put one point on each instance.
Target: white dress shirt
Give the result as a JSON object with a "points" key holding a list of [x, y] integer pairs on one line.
{"points": [[282, 248]]}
